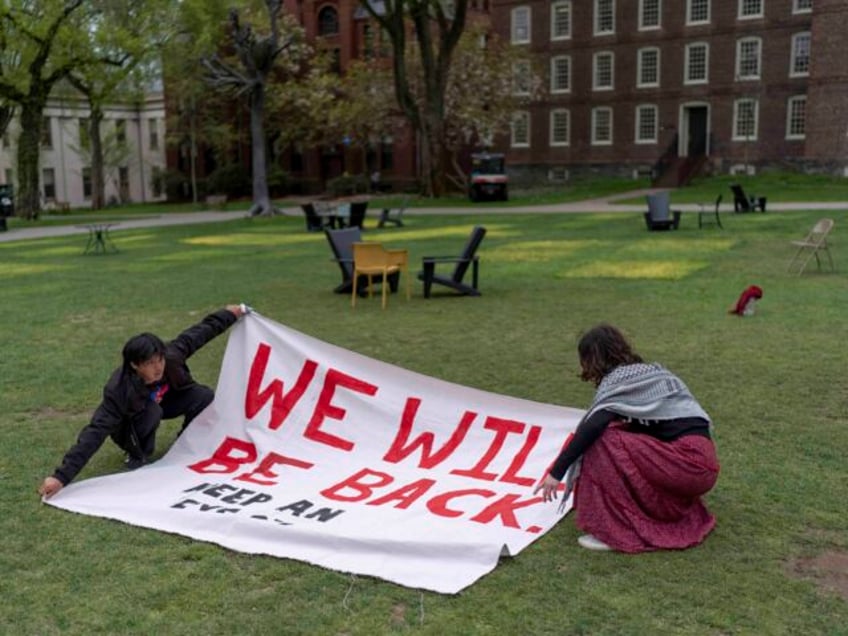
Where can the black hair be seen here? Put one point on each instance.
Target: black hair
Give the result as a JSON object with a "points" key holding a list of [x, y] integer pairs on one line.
{"points": [[142, 348], [601, 350]]}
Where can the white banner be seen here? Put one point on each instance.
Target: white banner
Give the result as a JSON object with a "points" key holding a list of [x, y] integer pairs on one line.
{"points": [[319, 454]]}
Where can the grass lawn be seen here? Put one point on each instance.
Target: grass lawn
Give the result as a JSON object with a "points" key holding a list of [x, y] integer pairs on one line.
{"points": [[773, 383]]}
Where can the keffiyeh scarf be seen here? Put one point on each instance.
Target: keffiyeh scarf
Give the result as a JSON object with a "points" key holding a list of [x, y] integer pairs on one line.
{"points": [[642, 393]]}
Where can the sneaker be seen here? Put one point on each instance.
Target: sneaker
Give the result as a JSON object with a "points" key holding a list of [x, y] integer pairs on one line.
{"points": [[592, 543], [134, 462]]}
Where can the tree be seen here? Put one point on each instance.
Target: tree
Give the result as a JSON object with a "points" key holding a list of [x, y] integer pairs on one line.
{"points": [[48, 46], [124, 35], [256, 57], [437, 27], [481, 96], [361, 114]]}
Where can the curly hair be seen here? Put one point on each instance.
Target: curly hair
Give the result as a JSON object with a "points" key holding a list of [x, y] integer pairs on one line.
{"points": [[602, 349]]}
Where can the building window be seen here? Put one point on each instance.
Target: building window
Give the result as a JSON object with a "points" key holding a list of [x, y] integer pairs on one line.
{"points": [[86, 183], [648, 67], [47, 132], [647, 124], [560, 74], [124, 183], [157, 181], [602, 71], [697, 63], [800, 64], [697, 11], [750, 9], [121, 131], [84, 133], [561, 20], [520, 130], [745, 115], [521, 78], [604, 17], [520, 29], [48, 183], [560, 127], [9, 176], [649, 14], [153, 130], [802, 6], [748, 53], [796, 117], [328, 21], [602, 126]]}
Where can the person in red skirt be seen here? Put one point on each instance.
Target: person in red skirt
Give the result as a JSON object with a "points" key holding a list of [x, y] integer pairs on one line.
{"points": [[640, 459]]}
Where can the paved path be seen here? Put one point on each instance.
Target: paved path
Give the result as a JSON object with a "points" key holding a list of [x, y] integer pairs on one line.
{"points": [[604, 205]]}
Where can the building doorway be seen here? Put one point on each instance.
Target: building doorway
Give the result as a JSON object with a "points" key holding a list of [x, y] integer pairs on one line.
{"points": [[695, 128]]}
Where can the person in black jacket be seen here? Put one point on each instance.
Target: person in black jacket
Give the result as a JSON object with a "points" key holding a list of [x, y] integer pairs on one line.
{"points": [[154, 383]]}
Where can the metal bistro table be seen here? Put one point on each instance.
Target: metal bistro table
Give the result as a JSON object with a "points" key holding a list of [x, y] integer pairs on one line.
{"points": [[99, 241]]}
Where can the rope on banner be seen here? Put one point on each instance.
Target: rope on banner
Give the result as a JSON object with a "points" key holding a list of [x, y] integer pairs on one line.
{"points": [[421, 609], [349, 590]]}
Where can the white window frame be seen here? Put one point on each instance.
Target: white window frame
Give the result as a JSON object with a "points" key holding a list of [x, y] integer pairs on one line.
{"points": [[790, 104], [513, 25], [649, 27], [596, 58], [567, 113], [555, 61], [797, 8], [640, 67], [793, 61], [637, 133], [687, 79], [521, 78], [596, 22], [690, 21], [557, 5], [740, 43], [595, 112], [743, 7], [737, 107], [513, 142]]}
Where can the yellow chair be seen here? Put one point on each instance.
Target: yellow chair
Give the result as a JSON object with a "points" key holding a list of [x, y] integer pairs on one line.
{"points": [[372, 259]]}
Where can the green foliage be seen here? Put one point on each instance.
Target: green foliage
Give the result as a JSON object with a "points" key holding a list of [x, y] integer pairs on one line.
{"points": [[771, 382], [232, 179], [348, 184]]}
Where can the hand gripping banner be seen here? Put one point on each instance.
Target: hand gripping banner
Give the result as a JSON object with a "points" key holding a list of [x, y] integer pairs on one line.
{"points": [[315, 453]]}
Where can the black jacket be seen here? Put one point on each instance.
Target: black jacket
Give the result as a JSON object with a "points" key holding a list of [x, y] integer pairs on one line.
{"points": [[125, 394]]}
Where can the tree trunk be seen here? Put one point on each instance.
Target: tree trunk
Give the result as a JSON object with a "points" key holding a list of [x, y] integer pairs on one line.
{"points": [[98, 182], [261, 199], [29, 150]]}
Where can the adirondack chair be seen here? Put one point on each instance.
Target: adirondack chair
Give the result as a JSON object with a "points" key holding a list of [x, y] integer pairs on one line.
{"points": [[468, 257], [357, 214], [744, 203], [314, 222], [393, 216], [659, 215], [341, 244]]}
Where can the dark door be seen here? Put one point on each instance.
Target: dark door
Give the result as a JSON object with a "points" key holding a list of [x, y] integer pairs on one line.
{"points": [[697, 131]]}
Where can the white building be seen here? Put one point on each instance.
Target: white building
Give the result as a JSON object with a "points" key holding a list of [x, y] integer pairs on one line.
{"points": [[64, 164]]}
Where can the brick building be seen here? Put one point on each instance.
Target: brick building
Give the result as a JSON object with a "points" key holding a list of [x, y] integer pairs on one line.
{"points": [[679, 86]]}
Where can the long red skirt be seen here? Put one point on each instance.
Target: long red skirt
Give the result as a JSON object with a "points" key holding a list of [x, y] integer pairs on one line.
{"points": [[637, 493]]}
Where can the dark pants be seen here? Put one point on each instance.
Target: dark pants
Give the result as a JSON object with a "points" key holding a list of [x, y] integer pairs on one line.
{"points": [[138, 438]]}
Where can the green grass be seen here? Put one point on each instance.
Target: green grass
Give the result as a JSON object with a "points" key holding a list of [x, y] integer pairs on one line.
{"points": [[773, 384]]}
